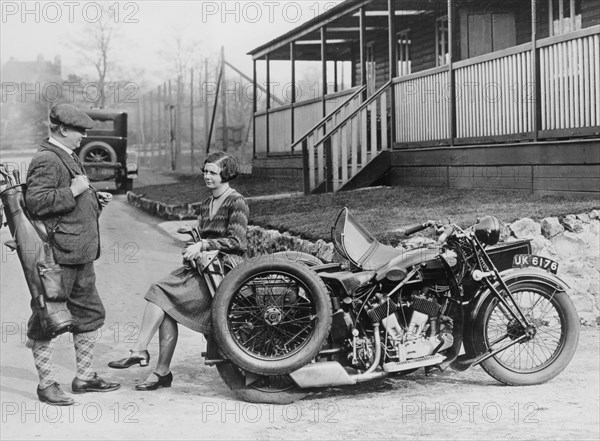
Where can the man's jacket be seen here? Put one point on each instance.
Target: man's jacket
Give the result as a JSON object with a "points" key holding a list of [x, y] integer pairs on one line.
{"points": [[72, 222]]}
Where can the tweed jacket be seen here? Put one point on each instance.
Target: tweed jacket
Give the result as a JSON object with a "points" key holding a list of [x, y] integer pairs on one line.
{"points": [[74, 220]]}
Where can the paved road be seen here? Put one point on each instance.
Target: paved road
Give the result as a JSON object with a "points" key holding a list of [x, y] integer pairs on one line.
{"points": [[135, 252]]}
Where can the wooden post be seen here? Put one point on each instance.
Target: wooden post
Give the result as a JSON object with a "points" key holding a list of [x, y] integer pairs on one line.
{"points": [[305, 170], [535, 71], [393, 60], [171, 129], [268, 101], [205, 100], [452, 88], [335, 76], [293, 99], [140, 109], [324, 69], [192, 118], [224, 101], [152, 130], [214, 112], [178, 117], [328, 165], [363, 55], [167, 124], [159, 130]]}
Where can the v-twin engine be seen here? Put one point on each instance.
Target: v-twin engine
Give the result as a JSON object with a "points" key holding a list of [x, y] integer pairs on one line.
{"points": [[418, 342]]}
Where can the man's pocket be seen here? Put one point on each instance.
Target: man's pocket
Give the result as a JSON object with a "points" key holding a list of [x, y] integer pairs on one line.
{"points": [[67, 237]]}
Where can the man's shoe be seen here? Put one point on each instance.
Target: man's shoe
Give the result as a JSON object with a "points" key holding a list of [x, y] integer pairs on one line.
{"points": [[163, 381], [136, 357], [96, 384], [54, 395]]}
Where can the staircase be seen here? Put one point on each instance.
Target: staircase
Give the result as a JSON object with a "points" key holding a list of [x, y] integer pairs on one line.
{"points": [[344, 150]]}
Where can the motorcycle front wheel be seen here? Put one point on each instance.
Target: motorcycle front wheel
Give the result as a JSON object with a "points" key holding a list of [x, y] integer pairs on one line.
{"points": [[271, 316], [539, 358], [252, 388]]}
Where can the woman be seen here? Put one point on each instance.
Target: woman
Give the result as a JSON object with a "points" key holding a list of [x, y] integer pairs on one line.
{"points": [[183, 296]]}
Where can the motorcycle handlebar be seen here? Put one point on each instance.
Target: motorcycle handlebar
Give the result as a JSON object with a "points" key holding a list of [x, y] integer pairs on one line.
{"points": [[413, 229]]}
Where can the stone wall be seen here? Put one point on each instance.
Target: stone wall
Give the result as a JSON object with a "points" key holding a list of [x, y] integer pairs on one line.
{"points": [[573, 241]]}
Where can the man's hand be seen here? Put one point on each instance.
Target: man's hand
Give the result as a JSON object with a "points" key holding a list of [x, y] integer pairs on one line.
{"points": [[104, 198], [79, 184]]}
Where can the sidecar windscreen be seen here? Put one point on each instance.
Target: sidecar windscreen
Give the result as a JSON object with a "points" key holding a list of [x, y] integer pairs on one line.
{"points": [[350, 238]]}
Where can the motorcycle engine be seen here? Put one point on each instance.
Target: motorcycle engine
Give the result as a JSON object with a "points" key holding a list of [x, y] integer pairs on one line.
{"points": [[426, 333]]}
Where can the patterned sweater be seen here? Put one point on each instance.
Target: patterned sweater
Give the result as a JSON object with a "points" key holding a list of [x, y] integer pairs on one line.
{"points": [[226, 231]]}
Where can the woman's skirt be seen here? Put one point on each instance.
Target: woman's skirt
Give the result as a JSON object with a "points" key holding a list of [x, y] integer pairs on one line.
{"points": [[185, 297]]}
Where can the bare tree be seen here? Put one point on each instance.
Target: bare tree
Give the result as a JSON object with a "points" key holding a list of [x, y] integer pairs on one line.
{"points": [[95, 46], [181, 53]]}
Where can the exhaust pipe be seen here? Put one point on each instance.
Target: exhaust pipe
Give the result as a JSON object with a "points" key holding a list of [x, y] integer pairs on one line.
{"points": [[331, 373]]}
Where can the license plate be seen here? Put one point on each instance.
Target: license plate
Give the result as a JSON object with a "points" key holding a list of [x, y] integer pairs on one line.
{"points": [[525, 260]]}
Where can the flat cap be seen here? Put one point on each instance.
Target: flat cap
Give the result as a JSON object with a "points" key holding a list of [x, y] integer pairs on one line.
{"points": [[71, 116]]}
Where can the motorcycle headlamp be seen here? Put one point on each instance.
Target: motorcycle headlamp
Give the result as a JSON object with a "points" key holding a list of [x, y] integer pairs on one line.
{"points": [[487, 230]]}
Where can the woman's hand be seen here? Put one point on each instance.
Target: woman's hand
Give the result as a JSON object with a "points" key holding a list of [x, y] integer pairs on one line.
{"points": [[193, 251]]}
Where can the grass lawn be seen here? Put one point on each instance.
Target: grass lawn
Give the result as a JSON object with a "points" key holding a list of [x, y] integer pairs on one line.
{"points": [[381, 210]]}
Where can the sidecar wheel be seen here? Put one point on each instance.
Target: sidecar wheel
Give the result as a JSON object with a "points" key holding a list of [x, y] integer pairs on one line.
{"points": [[539, 358], [265, 389], [271, 316]]}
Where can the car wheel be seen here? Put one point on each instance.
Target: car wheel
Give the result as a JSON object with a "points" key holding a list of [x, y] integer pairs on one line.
{"points": [[98, 152]]}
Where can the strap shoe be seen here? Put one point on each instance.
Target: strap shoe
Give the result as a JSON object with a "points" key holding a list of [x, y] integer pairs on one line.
{"points": [[136, 357], [54, 395], [96, 384], [163, 381]]}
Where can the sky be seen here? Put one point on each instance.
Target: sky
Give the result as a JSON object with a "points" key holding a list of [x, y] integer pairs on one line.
{"points": [[30, 29]]}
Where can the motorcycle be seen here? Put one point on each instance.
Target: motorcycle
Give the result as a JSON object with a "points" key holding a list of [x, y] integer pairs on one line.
{"points": [[287, 323]]}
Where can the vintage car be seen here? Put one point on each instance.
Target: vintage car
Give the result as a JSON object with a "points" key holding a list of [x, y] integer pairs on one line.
{"points": [[104, 150]]}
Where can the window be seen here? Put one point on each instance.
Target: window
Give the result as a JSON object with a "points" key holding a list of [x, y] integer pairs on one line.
{"points": [[442, 51], [403, 53], [565, 16]]}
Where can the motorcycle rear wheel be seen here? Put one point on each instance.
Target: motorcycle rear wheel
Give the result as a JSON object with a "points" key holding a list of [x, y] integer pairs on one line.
{"points": [[271, 316], [540, 358], [267, 389]]}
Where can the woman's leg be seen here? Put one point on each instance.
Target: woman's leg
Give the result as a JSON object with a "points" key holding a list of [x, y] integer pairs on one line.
{"points": [[167, 337], [152, 320]]}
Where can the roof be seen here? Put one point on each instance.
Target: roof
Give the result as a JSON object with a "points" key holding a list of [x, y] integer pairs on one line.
{"points": [[342, 24], [337, 11]]}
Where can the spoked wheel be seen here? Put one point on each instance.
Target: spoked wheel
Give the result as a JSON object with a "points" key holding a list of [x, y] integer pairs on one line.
{"points": [[274, 389], [272, 316], [545, 349], [98, 152]]}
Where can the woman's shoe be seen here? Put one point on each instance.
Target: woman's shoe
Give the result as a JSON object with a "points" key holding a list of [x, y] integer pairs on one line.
{"points": [[163, 381], [137, 357]]}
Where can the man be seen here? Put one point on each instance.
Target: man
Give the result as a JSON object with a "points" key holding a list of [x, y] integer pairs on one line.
{"points": [[59, 194]]}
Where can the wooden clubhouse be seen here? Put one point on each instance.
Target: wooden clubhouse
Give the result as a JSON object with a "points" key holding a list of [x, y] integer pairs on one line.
{"points": [[449, 93]]}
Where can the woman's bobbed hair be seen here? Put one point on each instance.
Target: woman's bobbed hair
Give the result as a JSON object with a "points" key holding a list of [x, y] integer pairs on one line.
{"points": [[227, 163]]}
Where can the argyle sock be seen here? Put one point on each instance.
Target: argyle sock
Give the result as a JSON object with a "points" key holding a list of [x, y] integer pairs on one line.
{"points": [[42, 357], [84, 355]]}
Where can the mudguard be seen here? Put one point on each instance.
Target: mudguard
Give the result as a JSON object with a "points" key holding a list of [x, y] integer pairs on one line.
{"points": [[298, 256], [509, 276]]}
